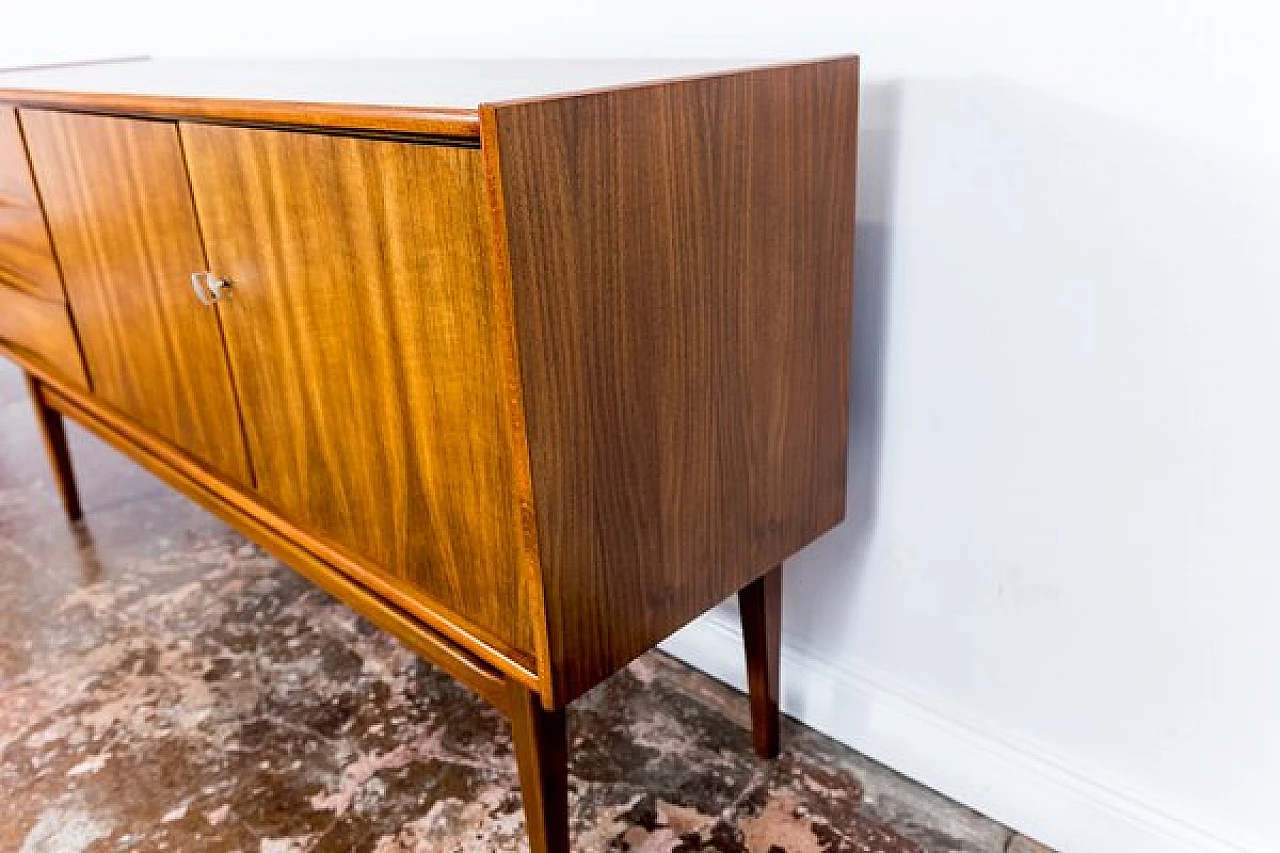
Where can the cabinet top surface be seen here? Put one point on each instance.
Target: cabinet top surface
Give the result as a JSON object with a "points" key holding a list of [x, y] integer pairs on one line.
{"points": [[462, 85]]}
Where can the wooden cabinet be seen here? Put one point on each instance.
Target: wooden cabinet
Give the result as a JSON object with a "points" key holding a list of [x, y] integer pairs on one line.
{"points": [[530, 371]]}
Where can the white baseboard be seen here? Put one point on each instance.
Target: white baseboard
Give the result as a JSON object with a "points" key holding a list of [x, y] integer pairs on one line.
{"points": [[972, 761]]}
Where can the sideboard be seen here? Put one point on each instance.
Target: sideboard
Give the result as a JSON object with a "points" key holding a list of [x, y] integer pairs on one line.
{"points": [[529, 363]]}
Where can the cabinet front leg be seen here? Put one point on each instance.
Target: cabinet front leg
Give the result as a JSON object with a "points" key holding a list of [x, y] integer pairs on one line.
{"points": [[541, 744], [761, 606], [55, 443]]}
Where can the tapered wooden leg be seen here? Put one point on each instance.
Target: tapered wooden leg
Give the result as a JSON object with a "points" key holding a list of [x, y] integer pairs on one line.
{"points": [[541, 742], [761, 606], [55, 442]]}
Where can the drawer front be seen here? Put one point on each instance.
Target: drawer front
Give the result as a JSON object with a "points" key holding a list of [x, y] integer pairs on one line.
{"points": [[41, 329], [26, 259]]}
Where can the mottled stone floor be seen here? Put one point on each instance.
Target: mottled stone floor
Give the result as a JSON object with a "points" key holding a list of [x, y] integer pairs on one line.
{"points": [[165, 685]]}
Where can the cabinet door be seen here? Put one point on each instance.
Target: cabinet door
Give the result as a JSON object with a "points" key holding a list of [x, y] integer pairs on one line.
{"points": [[361, 334], [119, 209]]}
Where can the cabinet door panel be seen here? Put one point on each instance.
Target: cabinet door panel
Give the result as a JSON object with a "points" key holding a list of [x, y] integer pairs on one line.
{"points": [[119, 210], [361, 335]]}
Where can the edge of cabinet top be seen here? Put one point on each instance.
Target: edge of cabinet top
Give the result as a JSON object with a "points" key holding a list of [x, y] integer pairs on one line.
{"points": [[432, 97]]}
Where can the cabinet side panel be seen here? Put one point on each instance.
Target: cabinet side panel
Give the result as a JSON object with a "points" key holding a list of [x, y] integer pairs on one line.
{"points": [[682, 263]]}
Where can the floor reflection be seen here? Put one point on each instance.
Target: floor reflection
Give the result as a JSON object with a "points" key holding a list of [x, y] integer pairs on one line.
{"points": [[165, 685]]}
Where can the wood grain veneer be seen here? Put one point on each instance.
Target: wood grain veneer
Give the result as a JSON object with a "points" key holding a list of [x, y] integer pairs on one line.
{"points": [[26, 259], [43, 330], [361, 335], [682, 259], [119, 208], [529, 383], [33, 313]]}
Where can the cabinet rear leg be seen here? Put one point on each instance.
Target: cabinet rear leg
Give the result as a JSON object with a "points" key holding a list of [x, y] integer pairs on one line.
{"points": [[55, 442], [761, 606], [541, 744]]}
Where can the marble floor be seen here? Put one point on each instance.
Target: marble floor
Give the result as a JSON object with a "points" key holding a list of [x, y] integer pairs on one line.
{"points": [[165, 685]]}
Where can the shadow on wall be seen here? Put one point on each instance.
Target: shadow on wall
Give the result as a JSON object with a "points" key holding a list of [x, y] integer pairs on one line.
{"points": [[822, 595], [1063, 468], [1070, 321]]}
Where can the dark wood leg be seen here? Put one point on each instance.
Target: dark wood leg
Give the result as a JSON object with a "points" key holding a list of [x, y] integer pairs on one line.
{"points": [[761, 606], [541, 742], [55, 442]]}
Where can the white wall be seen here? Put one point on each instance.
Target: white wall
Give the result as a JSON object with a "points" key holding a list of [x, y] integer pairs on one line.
{"points": [[1056, 594]]}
